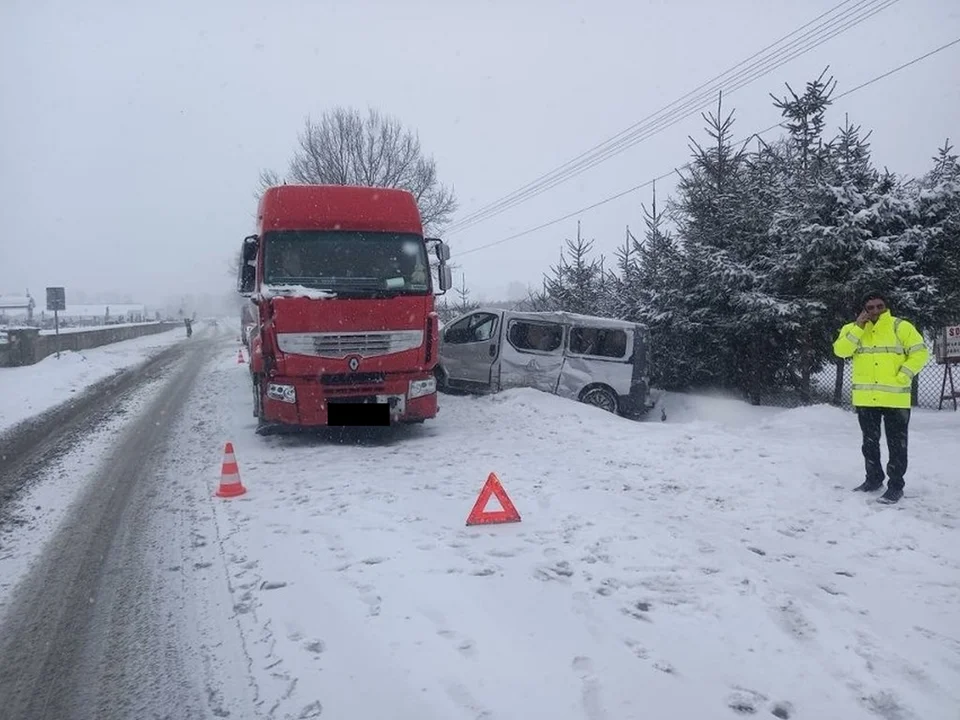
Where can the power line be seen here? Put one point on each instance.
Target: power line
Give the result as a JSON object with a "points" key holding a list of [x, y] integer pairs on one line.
{"points": [[650, 182], [897, 69], [661, 123], [653, 124]]}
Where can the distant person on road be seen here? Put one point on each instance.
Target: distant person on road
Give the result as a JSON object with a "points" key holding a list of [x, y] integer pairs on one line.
{"points": [[887, 353], [188, 323]]}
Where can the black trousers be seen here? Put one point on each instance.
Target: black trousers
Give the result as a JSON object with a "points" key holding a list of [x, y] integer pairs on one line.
{"points": [[895, 422]]}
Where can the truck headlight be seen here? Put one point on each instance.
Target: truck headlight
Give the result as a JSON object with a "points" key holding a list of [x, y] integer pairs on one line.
{"points": [[419, 388], [283, 393]]}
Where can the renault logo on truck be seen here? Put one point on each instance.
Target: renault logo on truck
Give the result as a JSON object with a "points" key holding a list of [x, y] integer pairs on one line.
{"points": [[354, 363]]}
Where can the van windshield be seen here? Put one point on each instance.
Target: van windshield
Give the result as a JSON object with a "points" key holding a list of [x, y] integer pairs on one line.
{"points": [[347, 262]]}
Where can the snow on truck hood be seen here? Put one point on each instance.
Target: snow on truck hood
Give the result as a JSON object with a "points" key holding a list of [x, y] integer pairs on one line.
{"points": [[290, 291]]}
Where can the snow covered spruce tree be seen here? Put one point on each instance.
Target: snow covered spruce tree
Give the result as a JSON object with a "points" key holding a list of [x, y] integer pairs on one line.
{"points": [[934, 243], [773, 249], [652, 289], [722, 308], [807, 257], [579, 284]]}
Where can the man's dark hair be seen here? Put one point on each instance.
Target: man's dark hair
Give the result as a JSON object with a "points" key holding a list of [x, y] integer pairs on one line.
{"points": [[874, 295]]}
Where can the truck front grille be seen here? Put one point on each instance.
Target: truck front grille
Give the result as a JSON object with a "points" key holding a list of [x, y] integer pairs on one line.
{"points": [[342, 345]]}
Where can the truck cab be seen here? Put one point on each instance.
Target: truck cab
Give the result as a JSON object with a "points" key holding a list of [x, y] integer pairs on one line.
{"points": [[346, 329]]}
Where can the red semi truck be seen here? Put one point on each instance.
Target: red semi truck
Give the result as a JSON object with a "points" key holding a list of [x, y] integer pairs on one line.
{"points": [[346, 331]]}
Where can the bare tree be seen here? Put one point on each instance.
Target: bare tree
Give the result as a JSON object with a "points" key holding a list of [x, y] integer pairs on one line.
{"points": [[346, 148], [268, 178]]}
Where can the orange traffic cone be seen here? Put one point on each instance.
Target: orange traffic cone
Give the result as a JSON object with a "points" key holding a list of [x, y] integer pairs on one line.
{"points": [[230, 485], [239, 357]]}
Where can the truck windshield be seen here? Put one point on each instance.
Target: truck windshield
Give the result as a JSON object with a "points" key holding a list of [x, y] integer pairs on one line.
{"points": [[352, 262]]}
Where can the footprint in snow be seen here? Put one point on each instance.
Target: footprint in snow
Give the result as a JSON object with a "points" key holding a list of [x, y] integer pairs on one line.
{"points": [[313, 710], [782, 710], [608, 587], [460, 695], [272, 585], [830, 590], [373, 603], [315, 646], [794, 621], [554, 572], [590, 693], [638, 611], [745, 702]]}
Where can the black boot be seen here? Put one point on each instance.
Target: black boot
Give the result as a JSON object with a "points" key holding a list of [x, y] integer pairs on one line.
{"points": [[867, 486], [891, 496]]}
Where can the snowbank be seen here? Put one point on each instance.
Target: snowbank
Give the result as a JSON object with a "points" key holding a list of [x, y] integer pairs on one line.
{"points": [[28, 391], [712, 565]]}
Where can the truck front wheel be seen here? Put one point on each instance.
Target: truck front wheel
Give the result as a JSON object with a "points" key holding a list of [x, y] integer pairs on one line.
{"points": [[257, 400]]}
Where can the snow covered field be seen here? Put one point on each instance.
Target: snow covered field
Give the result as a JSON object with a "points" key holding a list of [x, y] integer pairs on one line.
{"points": [[711, 566], [715, 565], [31, 390]]}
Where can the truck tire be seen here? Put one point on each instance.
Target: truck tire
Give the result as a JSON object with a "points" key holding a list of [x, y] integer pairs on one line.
{"points": [[257, 400]]}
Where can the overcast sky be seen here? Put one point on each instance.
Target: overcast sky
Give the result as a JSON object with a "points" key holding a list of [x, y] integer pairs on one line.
{"points": [[132, 133]]}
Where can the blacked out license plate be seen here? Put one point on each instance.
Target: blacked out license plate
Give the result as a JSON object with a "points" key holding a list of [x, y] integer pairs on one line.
{"points": [[358, 414]]}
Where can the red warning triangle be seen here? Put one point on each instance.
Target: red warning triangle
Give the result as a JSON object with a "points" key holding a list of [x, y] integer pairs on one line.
{"points": [[479, 516]]}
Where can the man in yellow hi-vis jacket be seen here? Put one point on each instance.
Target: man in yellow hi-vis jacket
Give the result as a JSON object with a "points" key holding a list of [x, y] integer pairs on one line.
{"points": [[887, 353]]}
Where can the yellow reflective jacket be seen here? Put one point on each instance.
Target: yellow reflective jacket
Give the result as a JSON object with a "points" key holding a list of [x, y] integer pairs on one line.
{"points": [[886, 357]]}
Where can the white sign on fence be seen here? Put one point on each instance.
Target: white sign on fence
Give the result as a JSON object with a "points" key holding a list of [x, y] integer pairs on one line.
{"points": [[949, 350]]}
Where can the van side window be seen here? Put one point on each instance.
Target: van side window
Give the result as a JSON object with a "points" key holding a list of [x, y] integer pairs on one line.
{"points": [[545, 337], [475, 328], [601, 342]]}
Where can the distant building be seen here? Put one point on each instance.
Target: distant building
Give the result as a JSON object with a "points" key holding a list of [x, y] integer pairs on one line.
{"points": [[16, 308], [106, 314]]}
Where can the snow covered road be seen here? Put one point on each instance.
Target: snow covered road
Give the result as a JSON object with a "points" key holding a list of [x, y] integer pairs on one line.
{"points": [[87, 632], [716, 565]]}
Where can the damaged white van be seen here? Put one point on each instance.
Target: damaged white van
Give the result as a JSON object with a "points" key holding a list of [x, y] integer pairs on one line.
{"points": [[596, 360]]}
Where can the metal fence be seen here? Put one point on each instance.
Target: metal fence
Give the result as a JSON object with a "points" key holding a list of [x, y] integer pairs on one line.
{"points": [[928, 388]]}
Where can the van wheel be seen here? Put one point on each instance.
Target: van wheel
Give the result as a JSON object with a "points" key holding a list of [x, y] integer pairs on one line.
{"points": [[441, 378], [600, 396]]}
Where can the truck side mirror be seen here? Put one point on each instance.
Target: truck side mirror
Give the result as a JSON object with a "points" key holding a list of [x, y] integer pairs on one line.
{"points": [[247, 280], [247, 275], [442, 249], [446, 278]]}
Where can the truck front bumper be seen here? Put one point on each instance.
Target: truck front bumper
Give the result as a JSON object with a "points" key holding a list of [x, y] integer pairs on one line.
{"points": [[306, 402]]}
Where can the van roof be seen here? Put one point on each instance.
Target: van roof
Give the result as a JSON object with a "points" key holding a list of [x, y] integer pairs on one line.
{"points": [[565, 317]]}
